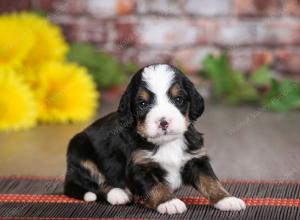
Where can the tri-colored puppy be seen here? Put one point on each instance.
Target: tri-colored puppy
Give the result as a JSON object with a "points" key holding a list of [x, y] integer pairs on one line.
{"points": [[147, 149]]}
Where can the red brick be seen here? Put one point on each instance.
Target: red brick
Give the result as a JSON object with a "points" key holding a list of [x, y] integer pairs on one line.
{"points": [[262, 57], [150, 56], [288, 61], [234, 33], [273, 32], [241, 59], [61, 6], [279, 32], [82, 29], [160, 7], [257, 7], [125, 7], [250, 59], [102, 8], [285, 61], [126, 35], [14, 5], [208, 7], [292, 7], [129, 55], [206, 30], [182, 31], [191, 59], [166, 33], [45, 5]]}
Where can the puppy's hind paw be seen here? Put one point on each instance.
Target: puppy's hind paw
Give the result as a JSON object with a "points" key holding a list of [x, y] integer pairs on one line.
{"points": [[230, 204], [173, 206]]}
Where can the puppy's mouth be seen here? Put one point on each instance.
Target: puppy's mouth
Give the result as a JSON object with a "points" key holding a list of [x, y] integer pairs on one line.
{"points": [[164, 133], [163, 137]]}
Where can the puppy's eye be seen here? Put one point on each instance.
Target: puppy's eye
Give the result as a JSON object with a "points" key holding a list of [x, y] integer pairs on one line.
{"points": [[178, 100], [143, 105]]}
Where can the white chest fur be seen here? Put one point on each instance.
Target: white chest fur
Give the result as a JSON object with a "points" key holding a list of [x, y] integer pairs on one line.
{"points": [[172, 157]]}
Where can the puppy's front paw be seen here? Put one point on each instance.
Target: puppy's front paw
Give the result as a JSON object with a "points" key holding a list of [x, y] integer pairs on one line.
{"points": [[90, 197], [118, 196], [172, 207], [230, 204]]}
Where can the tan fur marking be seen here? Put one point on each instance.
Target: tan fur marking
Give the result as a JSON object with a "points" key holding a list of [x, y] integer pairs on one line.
{"points": [[175, 90], [104, 189], [93, 169], [199, 152], [141, 127], [159, 194], [141, 157], [211, 189], [142, 93]]}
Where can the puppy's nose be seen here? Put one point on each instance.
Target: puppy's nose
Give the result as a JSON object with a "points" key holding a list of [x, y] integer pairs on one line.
{"points": [[163, 124]]}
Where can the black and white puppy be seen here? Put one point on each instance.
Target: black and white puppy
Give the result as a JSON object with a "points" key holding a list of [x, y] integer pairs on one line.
{"points": [[147, 149]]}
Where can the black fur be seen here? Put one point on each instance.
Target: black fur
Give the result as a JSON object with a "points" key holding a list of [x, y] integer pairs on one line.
{"points": [[110, 141], [126, 116], [140, 111], [199, 167], [194, 138], [195, 99]]}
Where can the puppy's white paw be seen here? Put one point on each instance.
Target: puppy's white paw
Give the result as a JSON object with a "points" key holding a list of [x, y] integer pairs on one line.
{"points": [[118, 196], [172, 207], [90, 197], [230, 204]]}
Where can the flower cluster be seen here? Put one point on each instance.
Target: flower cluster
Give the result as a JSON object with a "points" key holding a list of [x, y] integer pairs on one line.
{"points": [[36, 83]]}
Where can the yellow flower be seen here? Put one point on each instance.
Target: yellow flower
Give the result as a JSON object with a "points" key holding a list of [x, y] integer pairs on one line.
{"points": [[29, 75], [15, 42], [17, 104], [49, 43], [65, 92]]}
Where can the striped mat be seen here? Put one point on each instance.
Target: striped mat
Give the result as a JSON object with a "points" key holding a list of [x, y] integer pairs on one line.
{"points": [[42, 198]]}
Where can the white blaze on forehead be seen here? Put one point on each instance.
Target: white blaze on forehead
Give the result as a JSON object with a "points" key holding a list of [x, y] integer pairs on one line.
{"points": [[158, 78]]}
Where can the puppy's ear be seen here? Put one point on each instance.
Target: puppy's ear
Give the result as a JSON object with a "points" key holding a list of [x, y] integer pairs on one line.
{"points": [[125, 112], [196, 100], [124, 109]]}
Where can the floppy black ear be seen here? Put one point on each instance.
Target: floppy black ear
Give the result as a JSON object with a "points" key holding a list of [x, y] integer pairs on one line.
{"points": [[125, 112], [196, 100], [124, 109]]}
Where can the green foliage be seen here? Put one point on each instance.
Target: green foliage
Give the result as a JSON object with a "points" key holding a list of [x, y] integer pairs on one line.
{"points": [[105, 69], [283, 96], [261, 77], [227, 82], [235, 87]]}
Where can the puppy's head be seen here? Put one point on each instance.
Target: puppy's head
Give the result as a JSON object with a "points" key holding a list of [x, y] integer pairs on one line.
{"points": [[160, 102]]}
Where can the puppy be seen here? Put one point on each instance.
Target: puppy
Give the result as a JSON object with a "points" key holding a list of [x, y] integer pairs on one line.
{"points": [[147, 149]]}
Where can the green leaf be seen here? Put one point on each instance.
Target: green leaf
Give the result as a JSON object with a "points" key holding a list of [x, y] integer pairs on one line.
{"points": [[131, 68], [283, 96], [261, 76], [235, 87], [218, 70], [105, 69], [226, 81]]}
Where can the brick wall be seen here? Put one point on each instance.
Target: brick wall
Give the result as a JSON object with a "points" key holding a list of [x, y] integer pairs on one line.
{"points": [[182, 31]]}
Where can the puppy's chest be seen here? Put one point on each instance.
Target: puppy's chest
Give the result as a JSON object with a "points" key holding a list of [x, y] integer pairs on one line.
{"points": [[172, 157]]}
